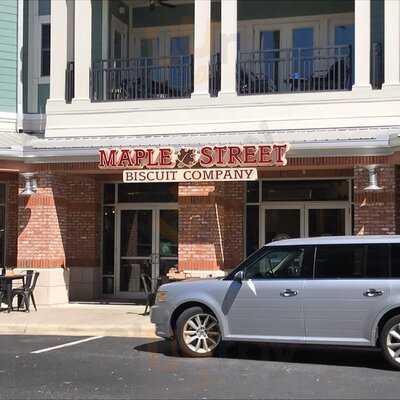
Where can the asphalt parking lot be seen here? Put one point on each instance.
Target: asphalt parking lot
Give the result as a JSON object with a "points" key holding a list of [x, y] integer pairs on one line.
{"points": [[42, 367]]}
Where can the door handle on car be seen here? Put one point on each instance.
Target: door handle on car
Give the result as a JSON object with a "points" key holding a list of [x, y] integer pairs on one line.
{"points": [[289, 293], [373, 293]]}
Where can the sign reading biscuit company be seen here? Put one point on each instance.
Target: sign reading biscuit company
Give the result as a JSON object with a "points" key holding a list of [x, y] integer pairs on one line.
{"points": [[208, 163], [190, 175]]}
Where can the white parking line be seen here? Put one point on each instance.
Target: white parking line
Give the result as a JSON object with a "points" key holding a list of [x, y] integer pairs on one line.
{"points": [[66, 345]]}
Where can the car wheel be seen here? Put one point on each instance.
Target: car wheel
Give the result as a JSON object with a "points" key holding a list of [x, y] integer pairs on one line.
{"points": [[390, 341], [197, 332]]}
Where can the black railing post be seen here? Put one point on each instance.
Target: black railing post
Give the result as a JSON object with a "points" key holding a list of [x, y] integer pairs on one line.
{"points": [[377, 66], [69, 82]]}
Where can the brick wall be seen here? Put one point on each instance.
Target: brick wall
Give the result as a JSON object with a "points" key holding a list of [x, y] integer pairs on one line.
{"points": [[211, 225], [83, 237], [375, 213], [58, 226], [42, 224]]}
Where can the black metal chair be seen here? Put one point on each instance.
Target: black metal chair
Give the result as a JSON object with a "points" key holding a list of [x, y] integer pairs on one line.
{"points": [[150, 293], [25, 293], [3, 290]]}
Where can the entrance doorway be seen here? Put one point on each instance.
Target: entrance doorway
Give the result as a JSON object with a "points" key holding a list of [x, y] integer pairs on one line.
{"points": [[288, 220], [146, 243]]}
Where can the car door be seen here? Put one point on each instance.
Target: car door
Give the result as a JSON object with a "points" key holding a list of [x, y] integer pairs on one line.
{"points": [[349, 290], [267, 304]]}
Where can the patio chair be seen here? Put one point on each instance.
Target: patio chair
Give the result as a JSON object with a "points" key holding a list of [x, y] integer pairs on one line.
{"points": [[150, 294], [2, 285], [25, 293]]}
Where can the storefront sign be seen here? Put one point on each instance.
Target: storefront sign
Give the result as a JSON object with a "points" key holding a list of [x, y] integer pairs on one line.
{"points": [[190, 175], [262, 155]]}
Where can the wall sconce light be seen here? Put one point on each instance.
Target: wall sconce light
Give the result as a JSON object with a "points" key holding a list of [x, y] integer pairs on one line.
{"points": [[373, 179], [121, 10], [30, 184]]}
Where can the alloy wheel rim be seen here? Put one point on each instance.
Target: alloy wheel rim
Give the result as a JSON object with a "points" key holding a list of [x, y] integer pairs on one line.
{"points": [[201, 333], [393, 343]]}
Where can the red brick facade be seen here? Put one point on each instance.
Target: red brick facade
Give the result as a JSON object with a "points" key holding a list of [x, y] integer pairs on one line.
{"points": [[376, 213], [60, 226], [211, 225]]}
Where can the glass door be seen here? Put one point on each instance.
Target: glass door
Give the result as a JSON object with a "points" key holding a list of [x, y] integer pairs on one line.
{"points": [[281, 222], [136, 248], [146, 243], [304, 220], [167, 242], [327, 220]]}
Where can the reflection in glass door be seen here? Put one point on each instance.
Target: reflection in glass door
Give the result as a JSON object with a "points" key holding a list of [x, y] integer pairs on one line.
{"points": [[168, 241], [304, 220], [282, 223], [322, 221], [136, 248], [147, 244]]}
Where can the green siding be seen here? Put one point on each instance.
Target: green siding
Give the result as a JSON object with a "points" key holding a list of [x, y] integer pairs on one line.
{"points": [[97, 22], [8, 55], [44, 7], [162, 16], [377, 21], [247, 10], [253, 9], [43, 95]]}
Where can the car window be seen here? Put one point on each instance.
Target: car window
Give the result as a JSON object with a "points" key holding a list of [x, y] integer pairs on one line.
{"points": [[377, 265], [395, 261], [339, 262], [282, 263]]}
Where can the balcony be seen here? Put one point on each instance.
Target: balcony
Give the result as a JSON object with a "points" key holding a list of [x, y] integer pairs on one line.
{"points": [[142, 79], [294, 70]]}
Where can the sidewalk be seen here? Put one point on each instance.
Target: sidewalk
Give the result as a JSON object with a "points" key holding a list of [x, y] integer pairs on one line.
{"points": [[79, 319]]}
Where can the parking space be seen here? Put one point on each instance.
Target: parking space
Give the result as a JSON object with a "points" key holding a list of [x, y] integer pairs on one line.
{"points": [[108, 367]]}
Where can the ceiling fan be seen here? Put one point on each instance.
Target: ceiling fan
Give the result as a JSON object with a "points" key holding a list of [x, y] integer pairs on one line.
{"points": [[164, 3]]}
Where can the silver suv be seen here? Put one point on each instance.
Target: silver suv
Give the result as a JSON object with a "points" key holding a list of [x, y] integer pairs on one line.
{"points": [[329, 290]]}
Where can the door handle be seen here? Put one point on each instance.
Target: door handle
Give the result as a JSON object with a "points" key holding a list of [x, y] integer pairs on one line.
{"points": [[289, 293], [373, 293]]}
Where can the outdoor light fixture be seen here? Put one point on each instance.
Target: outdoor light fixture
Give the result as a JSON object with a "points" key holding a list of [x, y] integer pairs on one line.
{"points": [[373, 179], [30, 184]]}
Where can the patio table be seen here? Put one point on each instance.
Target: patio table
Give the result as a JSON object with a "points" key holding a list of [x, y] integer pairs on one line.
{"points": [[7, 280]]}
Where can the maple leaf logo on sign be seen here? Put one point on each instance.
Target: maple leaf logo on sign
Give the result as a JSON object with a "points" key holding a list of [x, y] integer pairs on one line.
{"points": [[186, 158]]}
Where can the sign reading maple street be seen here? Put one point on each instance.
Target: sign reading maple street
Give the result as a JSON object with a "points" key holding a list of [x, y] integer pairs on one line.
{"points": [[208, 163], [261, 155]]}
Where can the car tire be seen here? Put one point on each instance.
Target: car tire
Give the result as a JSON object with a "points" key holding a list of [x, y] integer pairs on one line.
{"points": [[390, 341], [197, 332]]}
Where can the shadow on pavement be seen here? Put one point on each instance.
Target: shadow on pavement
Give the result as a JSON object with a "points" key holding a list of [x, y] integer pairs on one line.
{"points": [[302, 354]]}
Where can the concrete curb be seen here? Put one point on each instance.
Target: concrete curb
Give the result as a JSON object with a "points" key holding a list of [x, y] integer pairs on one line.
{"points": [[40, 329]]}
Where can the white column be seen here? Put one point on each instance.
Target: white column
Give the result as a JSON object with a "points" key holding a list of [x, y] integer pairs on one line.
{"points": [[392, 44], [228, 46], [362, 44], [83, 49], [58, 50], [202, 46]]}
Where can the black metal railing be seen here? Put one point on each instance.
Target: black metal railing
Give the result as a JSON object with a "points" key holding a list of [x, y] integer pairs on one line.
{"points": [[142, 78], [69, 82], [377, 66], [294, 70], [215, 75]]}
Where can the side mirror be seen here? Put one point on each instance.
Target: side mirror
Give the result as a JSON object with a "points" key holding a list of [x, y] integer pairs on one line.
{"points": [[239, 276]]}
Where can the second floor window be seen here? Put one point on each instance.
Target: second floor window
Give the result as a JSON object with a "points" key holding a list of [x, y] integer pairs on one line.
{"points": [[45, 51]]}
